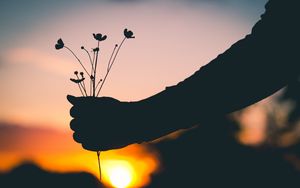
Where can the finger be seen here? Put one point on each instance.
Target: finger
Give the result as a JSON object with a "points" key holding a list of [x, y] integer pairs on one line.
{"points": [[83, 112], [74, 112], [112, 147], [78, 100], [101, 145], [82, 100], [91, 147], [76, 137], [82, 126], [93, 143], [71, 99], [74, 125]]}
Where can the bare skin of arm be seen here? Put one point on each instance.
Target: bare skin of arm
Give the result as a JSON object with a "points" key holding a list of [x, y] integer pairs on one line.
{"points": [[250, 70]]}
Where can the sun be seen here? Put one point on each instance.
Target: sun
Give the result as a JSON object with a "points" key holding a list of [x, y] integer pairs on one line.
{"points": [[120, 177], [120, 174]]}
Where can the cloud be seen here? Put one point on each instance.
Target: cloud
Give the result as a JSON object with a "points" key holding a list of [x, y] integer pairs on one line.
{"points": [[38, 58], [31, 139]]}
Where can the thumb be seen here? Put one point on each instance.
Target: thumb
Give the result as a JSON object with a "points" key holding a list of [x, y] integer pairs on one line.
{"points": [[80, 100], [73, 100]]}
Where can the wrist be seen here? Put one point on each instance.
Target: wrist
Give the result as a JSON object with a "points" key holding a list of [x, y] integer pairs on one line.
{"points": [[153, 119]]}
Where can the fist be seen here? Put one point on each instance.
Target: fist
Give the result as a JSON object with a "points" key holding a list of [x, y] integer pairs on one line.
{"points": [[103, 123]]}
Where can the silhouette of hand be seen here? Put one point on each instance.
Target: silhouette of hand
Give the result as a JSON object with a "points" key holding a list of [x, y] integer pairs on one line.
{"points": [[103, 123]]}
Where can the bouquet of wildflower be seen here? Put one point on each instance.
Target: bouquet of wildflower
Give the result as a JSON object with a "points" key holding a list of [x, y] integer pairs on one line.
{"points": [[95, 85]]}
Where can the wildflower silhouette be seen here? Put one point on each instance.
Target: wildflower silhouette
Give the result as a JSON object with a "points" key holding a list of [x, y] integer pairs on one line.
{"points": [[99, 37], [128, 34], [59, 45], [93, 87], [95, 49], [78, 81]]}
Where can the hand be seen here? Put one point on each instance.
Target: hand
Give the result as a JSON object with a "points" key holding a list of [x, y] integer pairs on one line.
{"points": [[104, 123]]}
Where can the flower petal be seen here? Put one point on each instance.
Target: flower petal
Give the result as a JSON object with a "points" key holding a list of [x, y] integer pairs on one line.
{"points": [[77, 81], [104, 38], [128, 34], [99, 37], [60, 44]]}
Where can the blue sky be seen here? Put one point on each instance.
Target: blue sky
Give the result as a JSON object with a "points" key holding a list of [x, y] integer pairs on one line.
{"points": [[18, 17]]}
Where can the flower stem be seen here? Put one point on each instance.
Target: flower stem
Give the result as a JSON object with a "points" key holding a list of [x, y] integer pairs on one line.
{"points": [[117, 53], [111, 56], [95, 68], [82, 85], [77, 59], [99, 165], [110, 66], [91, 85], [98, 83], [84, 88], [89, 58], [80, 89], [91, 81]]}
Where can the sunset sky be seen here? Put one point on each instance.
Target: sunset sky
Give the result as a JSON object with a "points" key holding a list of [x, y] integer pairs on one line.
{"points": [[174, 38]]}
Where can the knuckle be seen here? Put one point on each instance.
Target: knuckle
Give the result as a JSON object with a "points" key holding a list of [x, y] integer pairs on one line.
{"points": [[74, 111], [76, 137], [91, 144], [86, 146], [89, 147], [74, 124], [105, 148]]}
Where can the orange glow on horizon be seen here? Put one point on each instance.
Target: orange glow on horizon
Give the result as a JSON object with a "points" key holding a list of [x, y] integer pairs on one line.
{"points": [[43, 147], [135, 163]]}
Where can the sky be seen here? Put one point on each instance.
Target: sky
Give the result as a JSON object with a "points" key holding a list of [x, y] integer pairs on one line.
{"points": [[174, 38]]}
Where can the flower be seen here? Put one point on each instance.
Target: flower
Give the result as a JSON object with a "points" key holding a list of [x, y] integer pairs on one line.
{"points": [[77, 81], [99, 36], [60, 44], [128, 34], [76, 72], [96, 49], [81, 73]]}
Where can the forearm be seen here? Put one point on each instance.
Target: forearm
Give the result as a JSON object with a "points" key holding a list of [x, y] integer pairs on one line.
{"points": [[247, 72], [243, 75]]}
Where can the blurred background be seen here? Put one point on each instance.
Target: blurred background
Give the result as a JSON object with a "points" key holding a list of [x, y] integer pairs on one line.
{"points": [[174, 38]]}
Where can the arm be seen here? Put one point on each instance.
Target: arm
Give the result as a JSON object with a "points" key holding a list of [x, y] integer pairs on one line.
{"points": [[250, 70]]}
